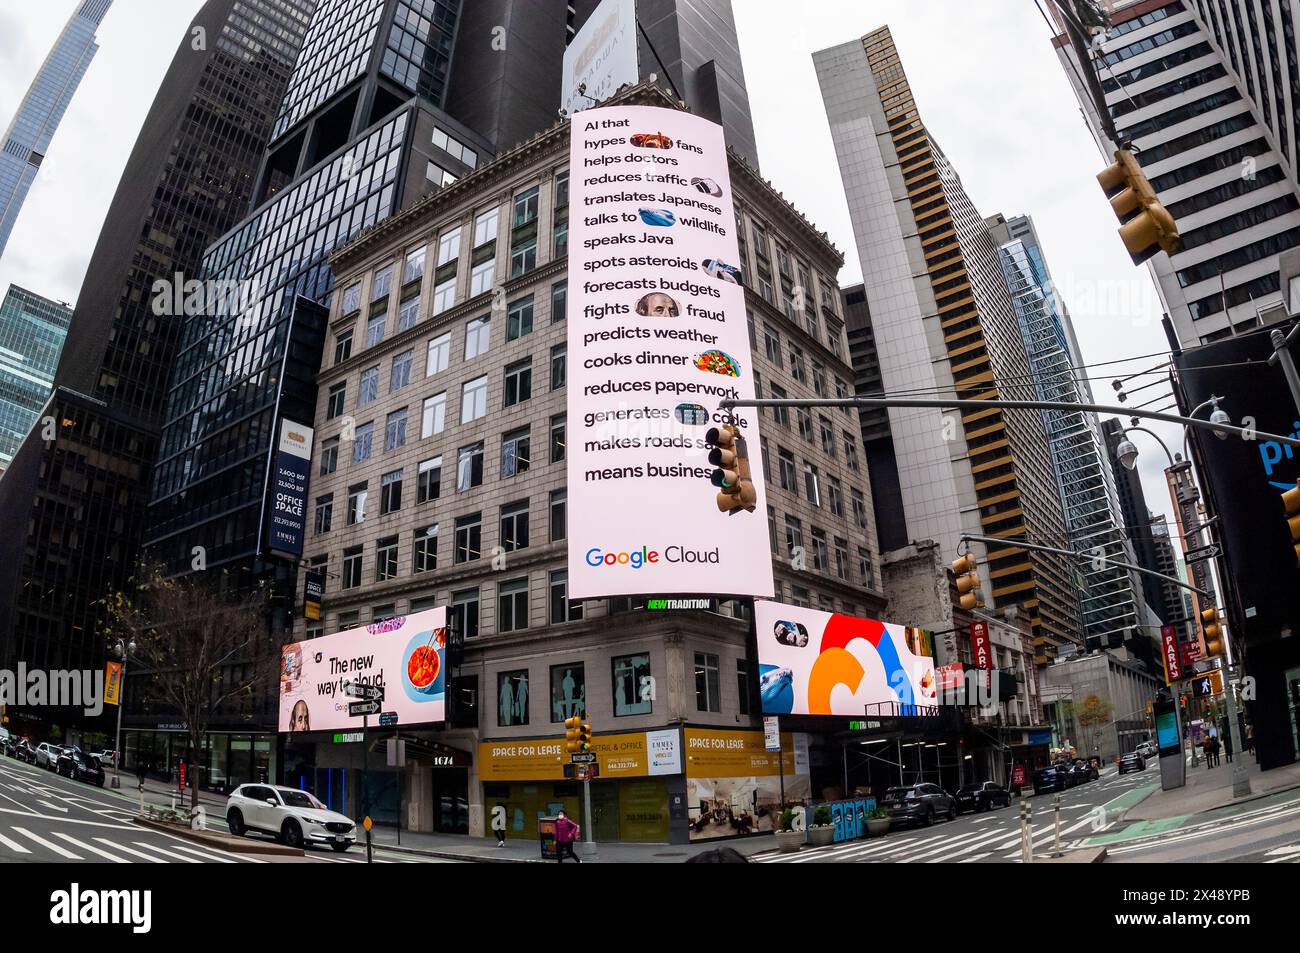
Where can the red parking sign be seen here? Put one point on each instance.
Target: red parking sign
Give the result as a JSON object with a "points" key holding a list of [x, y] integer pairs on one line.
{"points": [[180, 773], [1169, 649]]}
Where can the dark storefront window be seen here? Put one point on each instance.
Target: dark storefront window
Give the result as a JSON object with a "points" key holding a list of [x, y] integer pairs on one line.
{"points": [[568, 691]]}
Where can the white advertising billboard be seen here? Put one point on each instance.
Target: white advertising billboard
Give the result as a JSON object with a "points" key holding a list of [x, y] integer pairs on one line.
{"points": [[601, 57], [406, 656], [657, 339], [827, 663]]}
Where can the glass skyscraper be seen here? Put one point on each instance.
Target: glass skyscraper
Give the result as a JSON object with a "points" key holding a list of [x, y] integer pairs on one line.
{"points": [[32, 331], [1109, 601], [28, 137], [378, 67], [75, 506]]}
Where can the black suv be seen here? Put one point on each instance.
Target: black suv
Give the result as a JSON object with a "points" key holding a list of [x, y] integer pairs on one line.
{"points": [[919, 804], [1052, 778], [982, 796], [76, 764]]}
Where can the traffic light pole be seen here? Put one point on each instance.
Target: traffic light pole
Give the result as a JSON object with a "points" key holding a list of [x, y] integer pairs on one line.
{"points": [[959, 403]]}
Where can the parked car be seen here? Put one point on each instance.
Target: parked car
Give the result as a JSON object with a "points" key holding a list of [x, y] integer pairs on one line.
{"points": [[982, 796], [1132, 762], [47, 755], [77, 765], [23, 751], [1083, 771], [1146, 749], [919, 804], [106, 758], [288, 814], [1051, 778]]}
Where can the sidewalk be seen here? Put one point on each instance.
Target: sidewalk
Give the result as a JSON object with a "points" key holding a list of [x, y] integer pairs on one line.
{"points": [[484, 849], [475, 849], [1210, 788]]}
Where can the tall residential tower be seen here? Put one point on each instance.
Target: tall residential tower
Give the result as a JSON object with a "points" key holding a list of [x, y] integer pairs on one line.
{"points": [[943, 322], [28, 137]]}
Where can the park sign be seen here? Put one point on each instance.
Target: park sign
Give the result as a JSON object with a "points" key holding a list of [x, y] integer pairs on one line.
{"points": [[657, 339], [1170, 652]]}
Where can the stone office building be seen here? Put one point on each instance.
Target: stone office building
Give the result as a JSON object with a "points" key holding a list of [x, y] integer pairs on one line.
{"points": [[439, 479]]}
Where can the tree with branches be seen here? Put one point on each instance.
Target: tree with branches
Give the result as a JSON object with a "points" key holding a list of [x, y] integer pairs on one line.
{"points": [[1093, 717], [201, 643]]}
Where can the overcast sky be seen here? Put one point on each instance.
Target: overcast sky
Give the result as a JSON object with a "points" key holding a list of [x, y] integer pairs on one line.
{"points": [[984, 74]]}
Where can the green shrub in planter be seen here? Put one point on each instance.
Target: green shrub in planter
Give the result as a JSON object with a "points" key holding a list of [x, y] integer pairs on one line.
{"points": [[822, 816]]}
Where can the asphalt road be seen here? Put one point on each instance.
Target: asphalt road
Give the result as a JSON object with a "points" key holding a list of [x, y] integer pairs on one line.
{"points": [[45, 818], [994, 836]]}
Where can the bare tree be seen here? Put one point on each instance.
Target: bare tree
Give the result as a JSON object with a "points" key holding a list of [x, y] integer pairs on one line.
{"points": [[201, 642], [1092, 718]]}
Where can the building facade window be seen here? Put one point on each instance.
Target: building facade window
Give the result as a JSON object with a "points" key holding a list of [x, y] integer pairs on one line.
{"points": [[512, 698], [516, 452], [707, 694], [469, 537], [568, 691], [633, 687], [512, 605]]}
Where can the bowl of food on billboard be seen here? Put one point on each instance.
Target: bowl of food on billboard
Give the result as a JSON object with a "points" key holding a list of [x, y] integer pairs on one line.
{"points": [[424, 661], [718, 362], [828, 663]]}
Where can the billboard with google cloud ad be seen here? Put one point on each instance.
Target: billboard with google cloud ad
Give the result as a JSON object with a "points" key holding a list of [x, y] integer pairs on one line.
{"points": [[406, 656], [657, 338], [826, 663]]}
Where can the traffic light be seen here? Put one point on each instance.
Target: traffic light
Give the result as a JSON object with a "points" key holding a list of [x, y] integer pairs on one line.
{"points": [[1291, 502], [577, 735], [968, 580], [1213, 633], [1146, 225], [732, 477]]}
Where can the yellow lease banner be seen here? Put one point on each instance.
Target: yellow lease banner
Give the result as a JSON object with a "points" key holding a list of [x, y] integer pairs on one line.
{"points": [[543, 759], [112, 683], [719, 753]]}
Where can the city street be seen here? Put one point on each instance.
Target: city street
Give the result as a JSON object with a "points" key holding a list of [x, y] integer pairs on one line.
{"points": [[45, 818], [1261, 834]]}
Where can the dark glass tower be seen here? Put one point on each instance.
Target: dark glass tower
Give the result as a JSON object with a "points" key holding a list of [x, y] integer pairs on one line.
{"points": [[75, 507], [360, 134]]}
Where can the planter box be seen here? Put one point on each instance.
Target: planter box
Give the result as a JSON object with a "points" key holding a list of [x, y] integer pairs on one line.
{"points": [[822, 836], [878, 827], [789, 842]]}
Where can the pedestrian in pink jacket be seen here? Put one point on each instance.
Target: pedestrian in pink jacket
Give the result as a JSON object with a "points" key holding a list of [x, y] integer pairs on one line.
{"points": [[566, 832]]}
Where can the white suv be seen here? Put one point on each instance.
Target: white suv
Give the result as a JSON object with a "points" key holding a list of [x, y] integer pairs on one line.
{"points": [[290, 815], [1147, 749], [47, 755]]}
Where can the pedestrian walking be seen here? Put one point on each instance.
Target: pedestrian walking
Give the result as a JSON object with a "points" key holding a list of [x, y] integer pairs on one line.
{"points": [[1250, 739], [566, 832], [1205, 750], [1227, 744], [499, 824], [1214, 749]]}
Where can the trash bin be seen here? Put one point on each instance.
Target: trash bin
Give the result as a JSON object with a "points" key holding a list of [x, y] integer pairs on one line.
{"points": [[546, 837]]}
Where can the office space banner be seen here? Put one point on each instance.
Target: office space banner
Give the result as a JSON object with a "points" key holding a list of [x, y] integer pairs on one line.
{"points": [[822, 663], [635, 754], [287, 523], [657, 338]]}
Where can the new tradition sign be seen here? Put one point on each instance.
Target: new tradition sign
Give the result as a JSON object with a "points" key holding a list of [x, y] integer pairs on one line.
{"points": [[657, 339]]}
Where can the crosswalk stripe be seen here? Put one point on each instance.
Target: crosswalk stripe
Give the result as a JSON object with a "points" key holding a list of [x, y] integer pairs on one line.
{"points": [[165, 852], [44, 843], [946, 847], [973, 858], [14, 846], [130, 850], [209, 857], [90, 847]]}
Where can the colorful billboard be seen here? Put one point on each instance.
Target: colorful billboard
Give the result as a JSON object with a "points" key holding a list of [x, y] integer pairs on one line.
{"points": [[657, 338], [822, 663], [406, 656]]}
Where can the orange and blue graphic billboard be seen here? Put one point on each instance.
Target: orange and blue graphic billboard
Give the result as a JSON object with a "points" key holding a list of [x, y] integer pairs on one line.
{"points": [[828, 663]]}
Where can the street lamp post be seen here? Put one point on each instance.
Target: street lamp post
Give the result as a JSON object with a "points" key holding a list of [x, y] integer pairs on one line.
{"points": [[1127, 453], [123, 650]]}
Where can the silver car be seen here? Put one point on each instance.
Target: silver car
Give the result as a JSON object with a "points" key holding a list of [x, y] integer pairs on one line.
{"points": [[47, 755]]}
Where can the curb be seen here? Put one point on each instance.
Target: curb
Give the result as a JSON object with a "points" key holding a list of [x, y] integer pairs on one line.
{"points": [[237, 846], [452, 855], [1219, 807], [1084, 855]]}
